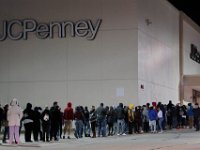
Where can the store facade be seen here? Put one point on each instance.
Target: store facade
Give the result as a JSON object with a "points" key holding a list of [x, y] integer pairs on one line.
{"points": [[89, 52]]}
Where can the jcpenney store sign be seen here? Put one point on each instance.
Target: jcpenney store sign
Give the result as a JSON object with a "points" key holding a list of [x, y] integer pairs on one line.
{"points": [[19, 29]]}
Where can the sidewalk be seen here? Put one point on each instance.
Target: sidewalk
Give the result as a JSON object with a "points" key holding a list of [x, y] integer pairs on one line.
{"points": [[184, 139]]}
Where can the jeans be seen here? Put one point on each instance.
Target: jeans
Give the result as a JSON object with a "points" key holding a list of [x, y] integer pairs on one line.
{"points": [[120, 126], [114, 128], [160, 121], [87, 128], [152, 125], [174, 122], [5, 133], [79, 127], [102, 127]]}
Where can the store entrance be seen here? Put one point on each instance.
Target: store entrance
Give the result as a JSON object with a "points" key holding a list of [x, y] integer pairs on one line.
{"points": [[191, 88]]}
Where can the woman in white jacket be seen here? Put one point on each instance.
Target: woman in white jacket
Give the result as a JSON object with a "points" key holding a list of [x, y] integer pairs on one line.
{"points": [[14, 116]]}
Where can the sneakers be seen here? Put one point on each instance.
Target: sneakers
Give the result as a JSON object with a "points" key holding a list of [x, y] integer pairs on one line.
{"points": [[160, 132], [121, 134], [75, 134], [4, 141]]}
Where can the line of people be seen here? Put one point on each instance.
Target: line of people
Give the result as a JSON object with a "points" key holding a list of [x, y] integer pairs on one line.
{"points": [[48, 124]]}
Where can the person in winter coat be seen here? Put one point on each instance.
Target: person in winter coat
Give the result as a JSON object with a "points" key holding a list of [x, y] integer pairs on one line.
{"points": [[5, 120], [55, 121], [68, 118], [61, 123], [120, 120], [145, 118], [101, 120], [190, 115], [46, 124], [196, 112], [110, 120], [93, 121], [28, 119], [78, 116], [137, 120], [160, 119], [14, 115], [36, 123], [152, 119], [87, 122], [130, 118]]}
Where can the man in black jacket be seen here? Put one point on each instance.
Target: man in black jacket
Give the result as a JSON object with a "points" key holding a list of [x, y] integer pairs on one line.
{"points": [[120, 120], [196, 112], [46, 124], [55, 121], [28, 118]]}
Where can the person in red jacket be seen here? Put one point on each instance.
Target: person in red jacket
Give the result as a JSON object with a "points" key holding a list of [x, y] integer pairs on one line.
{"points": [[68, 118]]}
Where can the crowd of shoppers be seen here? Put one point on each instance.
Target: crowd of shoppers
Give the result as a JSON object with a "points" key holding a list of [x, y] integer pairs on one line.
{"points": [[49, 123]]}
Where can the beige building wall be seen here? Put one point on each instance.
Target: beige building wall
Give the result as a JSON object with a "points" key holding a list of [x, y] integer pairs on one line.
{"points": [[191, 69], [72, 69], [158, 51], [191, 35]]}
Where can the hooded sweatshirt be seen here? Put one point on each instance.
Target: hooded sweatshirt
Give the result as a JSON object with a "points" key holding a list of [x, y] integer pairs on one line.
{"points": [[14, 114], [68, 112]]}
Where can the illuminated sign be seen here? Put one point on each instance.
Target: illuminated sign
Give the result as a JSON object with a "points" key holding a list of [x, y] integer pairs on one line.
{"points": [[19, 29]]}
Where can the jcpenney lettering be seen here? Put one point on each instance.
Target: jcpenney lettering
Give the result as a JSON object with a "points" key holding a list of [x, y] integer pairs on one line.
{"points": [[83, 28]]}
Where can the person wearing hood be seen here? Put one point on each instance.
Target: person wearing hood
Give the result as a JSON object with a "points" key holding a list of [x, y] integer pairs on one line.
{"points": [[46, 124], [14, 115], [27, 120], [130, 118], [68, 118]]}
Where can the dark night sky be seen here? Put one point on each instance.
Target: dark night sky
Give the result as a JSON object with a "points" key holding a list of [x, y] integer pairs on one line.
{"points": [[189, 7]]}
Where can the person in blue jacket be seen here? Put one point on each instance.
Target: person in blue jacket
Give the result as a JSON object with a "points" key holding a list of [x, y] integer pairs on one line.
{"points": [[152, 119]]}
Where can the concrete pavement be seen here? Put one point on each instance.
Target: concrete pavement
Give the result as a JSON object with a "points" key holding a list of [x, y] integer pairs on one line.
{"points": [[183, 139]]}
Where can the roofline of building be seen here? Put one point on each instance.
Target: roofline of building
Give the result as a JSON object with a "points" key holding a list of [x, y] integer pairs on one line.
{"points": [[190, 21]]}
